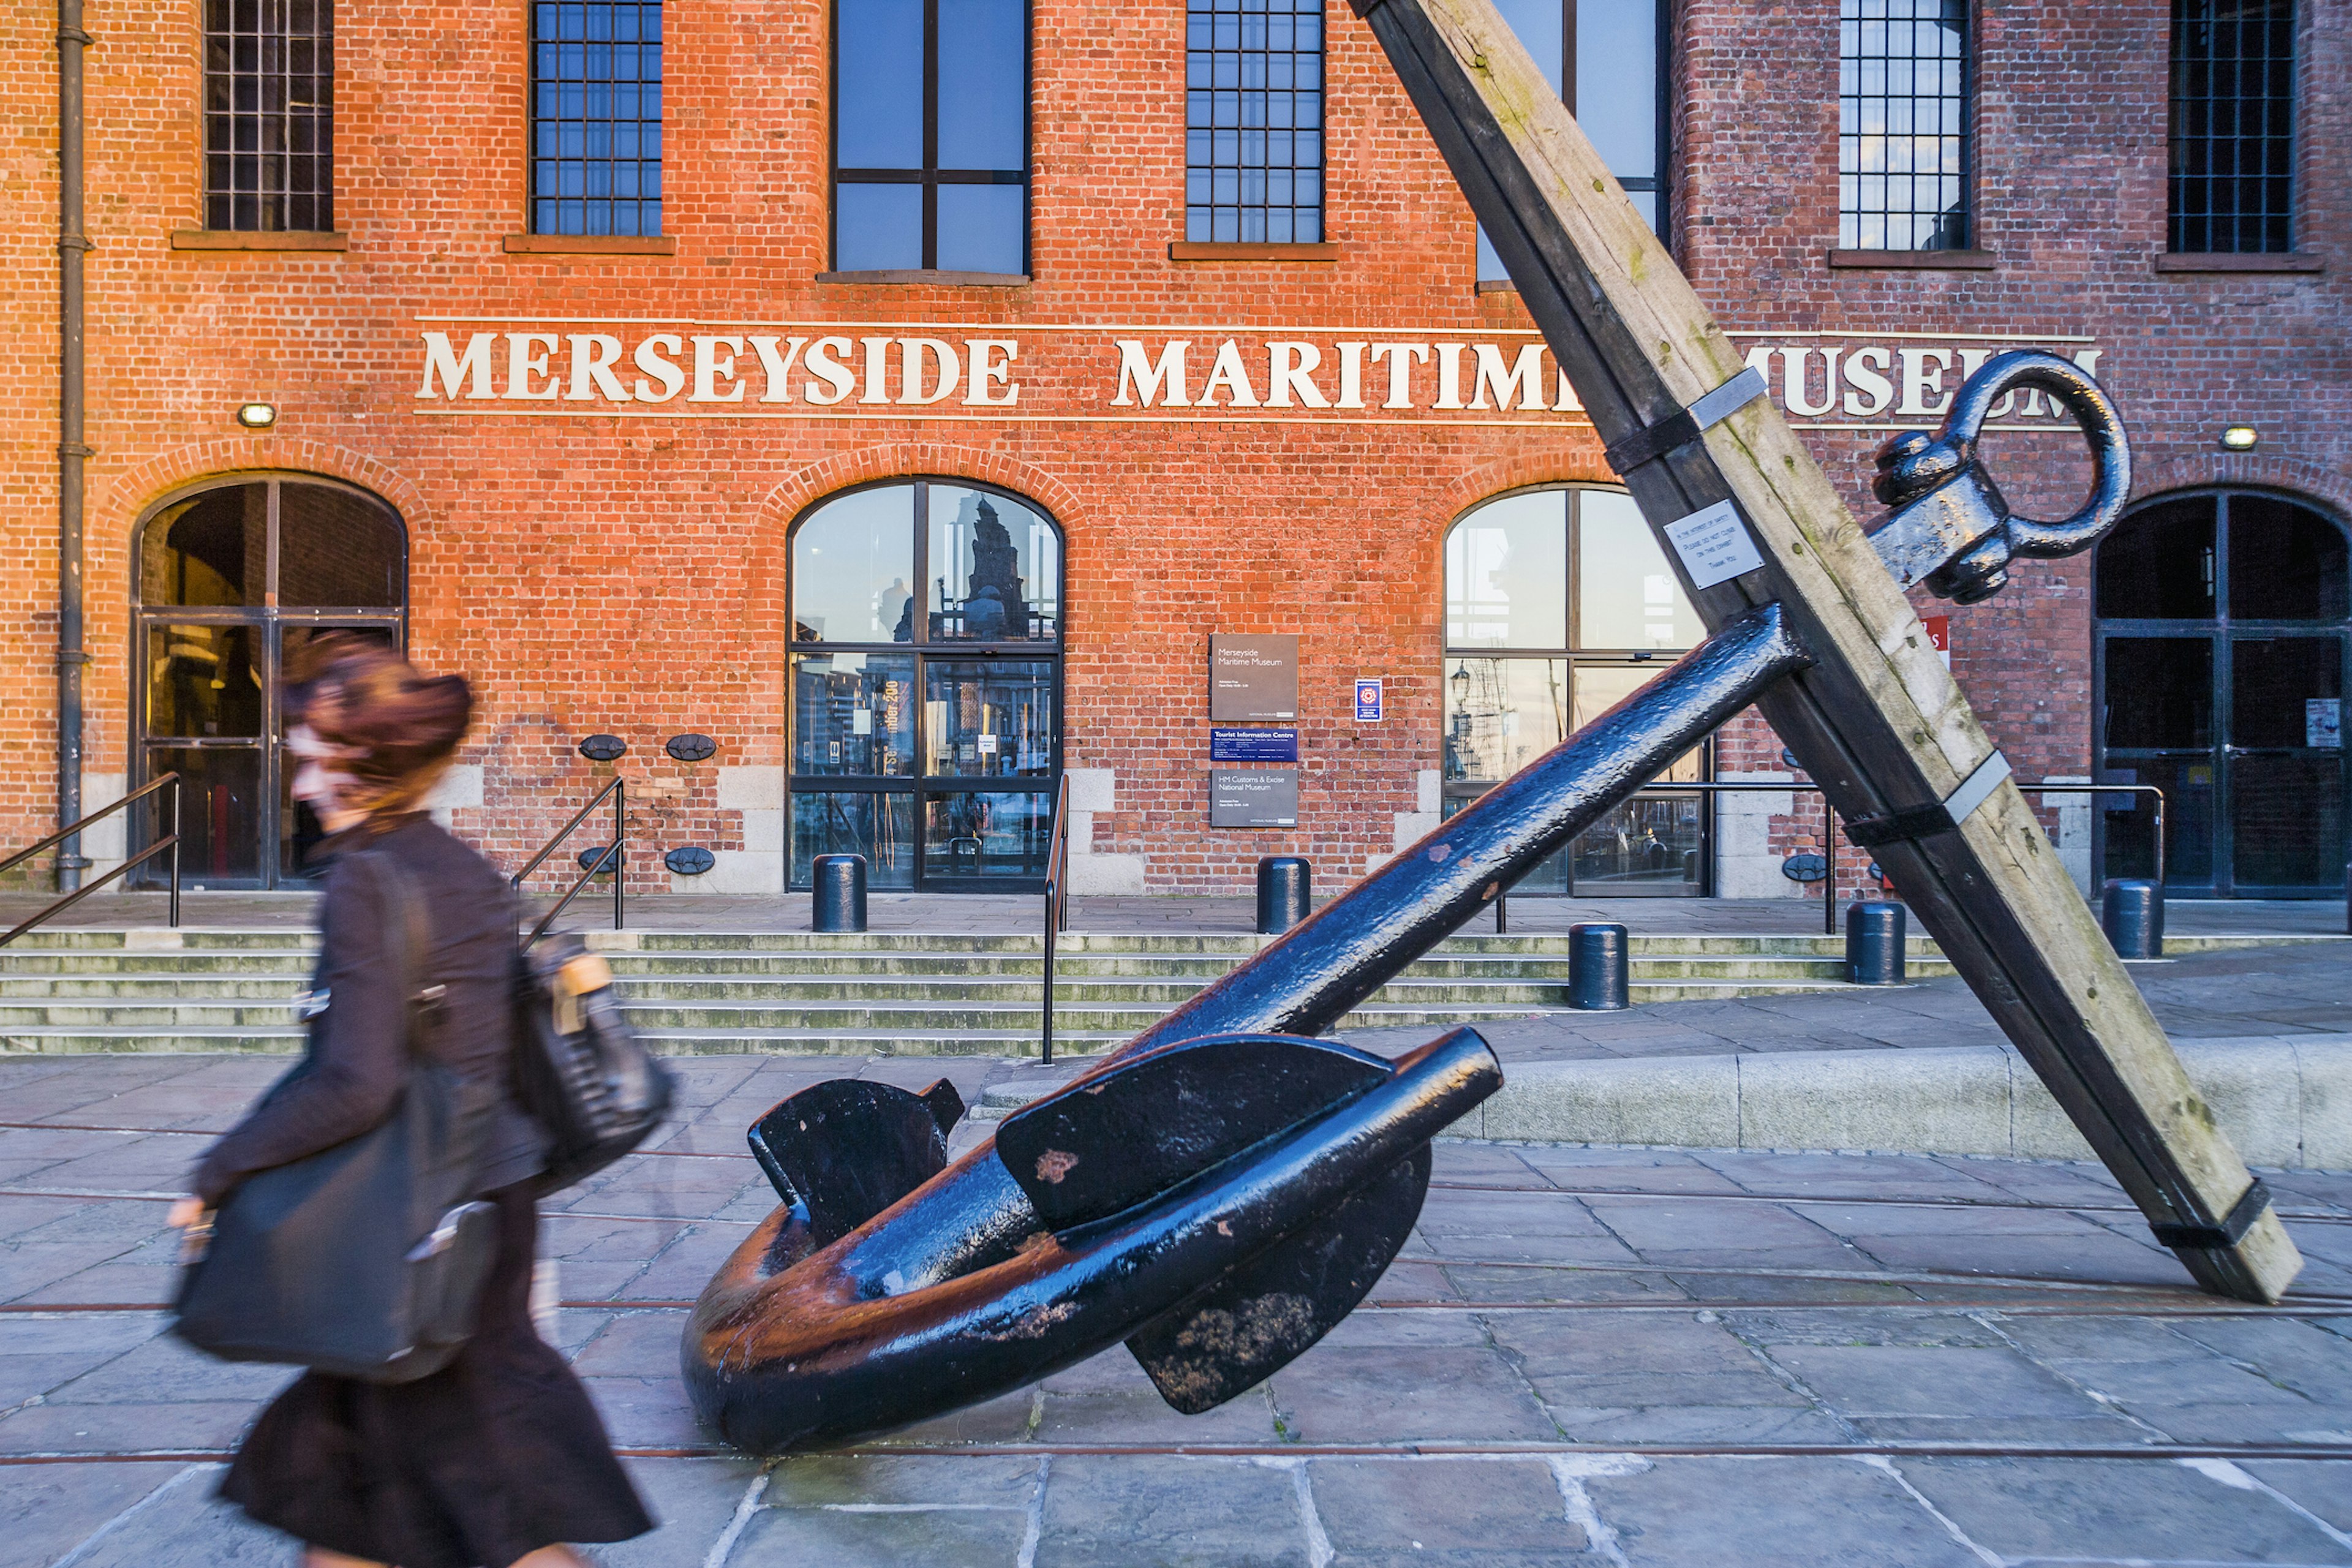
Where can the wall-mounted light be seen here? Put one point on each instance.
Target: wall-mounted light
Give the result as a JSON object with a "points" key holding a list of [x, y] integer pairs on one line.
{"points": [[2241, 439], [256, 416]]}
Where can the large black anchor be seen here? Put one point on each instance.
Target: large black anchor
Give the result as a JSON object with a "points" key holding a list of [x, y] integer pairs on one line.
{"points": [[1224, 1188]]}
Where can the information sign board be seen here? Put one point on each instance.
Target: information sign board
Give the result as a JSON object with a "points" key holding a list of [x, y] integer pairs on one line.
{"points": [[1252, 745], [1368, 699], [1253, 675], [1252, 797]]}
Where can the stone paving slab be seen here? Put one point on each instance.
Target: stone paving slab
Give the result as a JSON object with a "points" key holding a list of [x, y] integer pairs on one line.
{"points": [[1618, 1357]]}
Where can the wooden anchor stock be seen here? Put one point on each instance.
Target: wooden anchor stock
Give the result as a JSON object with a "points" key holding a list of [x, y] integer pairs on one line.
{"points": [[1876, 719]]}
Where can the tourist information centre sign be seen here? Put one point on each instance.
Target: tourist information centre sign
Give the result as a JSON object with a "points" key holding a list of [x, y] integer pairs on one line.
{"points": [[1167, 374]]}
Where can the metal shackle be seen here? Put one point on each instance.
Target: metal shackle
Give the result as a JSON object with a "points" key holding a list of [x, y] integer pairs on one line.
{"points": [[1951, 528]]}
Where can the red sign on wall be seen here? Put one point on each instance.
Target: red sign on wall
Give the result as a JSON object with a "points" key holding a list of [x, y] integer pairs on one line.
{"points": [[1939, 636]]}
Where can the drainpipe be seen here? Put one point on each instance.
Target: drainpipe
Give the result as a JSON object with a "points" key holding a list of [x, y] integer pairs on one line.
{"points": [[72, 245]]}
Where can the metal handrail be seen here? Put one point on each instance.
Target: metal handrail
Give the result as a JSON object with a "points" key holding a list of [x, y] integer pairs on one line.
{"points": [[612, 857], [1829, 837], [2048, 787], [171, 841], [1057, 903]]}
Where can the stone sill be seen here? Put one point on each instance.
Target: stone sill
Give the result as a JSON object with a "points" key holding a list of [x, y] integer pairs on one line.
{"points": [[2238, 261], [936, 278], [240, 239], [589, 245], [1207, 250], [1916, 261]]}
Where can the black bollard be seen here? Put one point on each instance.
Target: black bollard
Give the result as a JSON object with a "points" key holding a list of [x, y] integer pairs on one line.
{"points": [[1283, 883], [837, 892], [1599, 967], [1873, 943], [2132, 913]]}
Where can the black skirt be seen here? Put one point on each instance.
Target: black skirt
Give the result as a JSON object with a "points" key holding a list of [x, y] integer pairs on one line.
{"points": [[490, 1458]]}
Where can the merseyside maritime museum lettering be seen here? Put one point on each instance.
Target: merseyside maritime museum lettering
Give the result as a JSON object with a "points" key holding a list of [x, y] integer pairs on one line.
{"points": [[1822, 379]]}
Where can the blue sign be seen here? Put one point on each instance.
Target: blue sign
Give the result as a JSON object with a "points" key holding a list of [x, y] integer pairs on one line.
{"points": [[1368, 701], [1251, 745]]}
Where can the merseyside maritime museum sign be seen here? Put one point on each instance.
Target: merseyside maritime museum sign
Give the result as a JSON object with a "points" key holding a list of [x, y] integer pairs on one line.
{"points": [[691, 369]]}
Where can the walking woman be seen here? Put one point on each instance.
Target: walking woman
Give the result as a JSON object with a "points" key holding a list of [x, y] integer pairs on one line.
{"points": [[498, 1457]]}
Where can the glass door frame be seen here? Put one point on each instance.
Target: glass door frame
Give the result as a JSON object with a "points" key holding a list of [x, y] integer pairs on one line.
{"points": [[921, 787], [268, 622], [2223, 633], [1453, 795]]}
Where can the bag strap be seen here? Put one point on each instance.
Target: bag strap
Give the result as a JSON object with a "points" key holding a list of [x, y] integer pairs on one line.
{"points": [[408, 933]]}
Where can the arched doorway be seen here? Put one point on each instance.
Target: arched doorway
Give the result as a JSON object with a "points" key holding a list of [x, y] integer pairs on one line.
{"points": [[2220, 642], [927, 685], [1558, 605], [235, 577]]}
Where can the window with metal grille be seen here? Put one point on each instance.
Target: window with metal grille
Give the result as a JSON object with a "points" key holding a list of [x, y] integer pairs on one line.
{"points": [[1903, 137], [930, 136], [1607, 60], [269, 118], [1254, 120], [2232, 125], [596, 73]]}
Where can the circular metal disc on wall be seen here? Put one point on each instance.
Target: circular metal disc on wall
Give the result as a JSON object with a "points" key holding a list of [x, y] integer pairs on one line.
{"points": [[692, 860], [691, 748], [602, 748], [1805, 867], [595, 852]]}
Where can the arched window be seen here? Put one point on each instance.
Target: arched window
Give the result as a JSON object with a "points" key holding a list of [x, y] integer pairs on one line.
{"points": [[2219, 677], [927, 685], [1558, 605], [235, 577]]}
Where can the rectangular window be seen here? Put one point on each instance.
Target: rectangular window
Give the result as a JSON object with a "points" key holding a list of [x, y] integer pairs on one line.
{"points": [[1607, 61], [595, 117], [1254, 121], [930, 165], [2232, 160], [1903, 117], [270, 115]]}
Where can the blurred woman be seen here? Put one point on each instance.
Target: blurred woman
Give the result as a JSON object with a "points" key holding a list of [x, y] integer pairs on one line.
{"points": [[500, 1457]]}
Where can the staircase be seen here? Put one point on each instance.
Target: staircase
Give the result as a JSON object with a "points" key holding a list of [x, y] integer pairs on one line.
{"points": [[890, 993]]}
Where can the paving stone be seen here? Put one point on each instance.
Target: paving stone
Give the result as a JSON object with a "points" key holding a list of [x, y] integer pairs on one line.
{"points": [[1141, 1415], [1007, 1418], [851, 1537], [1562, 1284], [1674, 1424], [1339, 1394], [1945, 1380], [48, 1510], [183, 1524], [1786, 1514], [2322, 1486], [167, 1369], [1862, 1326], [125, 1426], [1632, 1361], [633, 1344], [642, 1411], [2117, 1510], [2309, 1360], [1183, 1514], [1443, 1514], [894, 1479]]}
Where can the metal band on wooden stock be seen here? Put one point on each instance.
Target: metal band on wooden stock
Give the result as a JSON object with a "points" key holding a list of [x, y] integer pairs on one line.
{"points": [[2228, 1233], [1939, 817], [1680, 430]]}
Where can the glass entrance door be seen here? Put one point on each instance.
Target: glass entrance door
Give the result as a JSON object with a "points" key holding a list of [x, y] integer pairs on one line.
{"points": [[2221, 648], [927, 679], [235, 581]]}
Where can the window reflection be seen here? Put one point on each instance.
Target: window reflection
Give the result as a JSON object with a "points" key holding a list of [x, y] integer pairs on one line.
{"points": [[852, 567], [1507, 574], [989, 719], [220, 810], [1502, 714], [213, 549], [853, 713], [984, 836], [1626, 595], [203, 681], [994, 567], [336, 548], [878, 825]]}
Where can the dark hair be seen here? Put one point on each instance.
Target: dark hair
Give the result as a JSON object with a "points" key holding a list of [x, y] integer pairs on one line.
{"points": [[397, 727]]}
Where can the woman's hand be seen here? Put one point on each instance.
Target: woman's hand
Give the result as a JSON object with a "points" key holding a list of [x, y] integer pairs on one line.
{"points": [[185, 1212]]}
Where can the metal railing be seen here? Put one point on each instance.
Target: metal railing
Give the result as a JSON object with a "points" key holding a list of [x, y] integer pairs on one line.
{"points": [[611, 858], [1829, 838], [170, 783], [1057, 903], [2048, 788]]}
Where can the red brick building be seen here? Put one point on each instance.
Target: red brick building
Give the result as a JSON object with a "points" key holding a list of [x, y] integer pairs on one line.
{"points": [[562, 340]]}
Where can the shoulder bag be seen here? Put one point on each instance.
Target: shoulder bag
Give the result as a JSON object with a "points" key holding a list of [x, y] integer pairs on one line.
{"points": [[368, 1259]]}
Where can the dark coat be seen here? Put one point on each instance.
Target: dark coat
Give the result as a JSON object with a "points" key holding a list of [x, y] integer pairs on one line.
{"points": [[357, 1060]]}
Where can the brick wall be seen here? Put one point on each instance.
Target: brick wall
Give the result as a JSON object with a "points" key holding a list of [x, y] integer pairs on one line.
{"points": [[628, 574]]}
